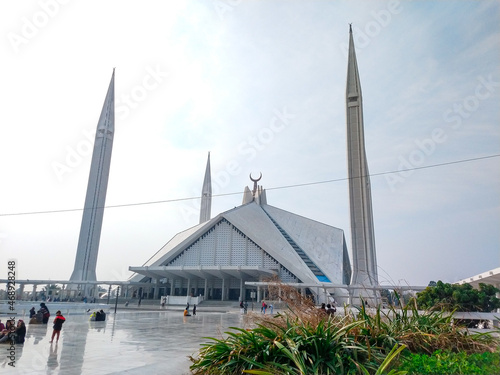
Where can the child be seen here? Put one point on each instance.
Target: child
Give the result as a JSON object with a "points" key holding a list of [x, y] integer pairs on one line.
{"points": [[58, 322]]}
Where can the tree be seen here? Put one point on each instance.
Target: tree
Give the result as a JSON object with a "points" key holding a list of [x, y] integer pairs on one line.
{"points": [[461, 297]]}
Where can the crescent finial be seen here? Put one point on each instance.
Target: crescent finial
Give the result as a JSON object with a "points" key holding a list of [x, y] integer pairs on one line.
{"points": [[255, 183], [256, 180]]}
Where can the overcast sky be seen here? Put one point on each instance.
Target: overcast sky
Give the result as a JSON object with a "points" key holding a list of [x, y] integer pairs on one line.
{"points": [[261, 85]]}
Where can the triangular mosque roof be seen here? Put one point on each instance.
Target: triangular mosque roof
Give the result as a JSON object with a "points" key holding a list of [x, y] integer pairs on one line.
{"points": [[281, 234]]}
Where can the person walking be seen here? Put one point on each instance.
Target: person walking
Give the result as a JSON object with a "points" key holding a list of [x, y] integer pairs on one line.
{"points": [[58, 322]]}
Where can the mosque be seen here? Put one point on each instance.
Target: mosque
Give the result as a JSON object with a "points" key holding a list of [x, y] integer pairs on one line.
{"points": [[251, 242], [230, 256]]}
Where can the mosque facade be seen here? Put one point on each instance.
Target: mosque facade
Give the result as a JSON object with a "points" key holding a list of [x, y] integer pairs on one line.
{"points": [[249, 243]]}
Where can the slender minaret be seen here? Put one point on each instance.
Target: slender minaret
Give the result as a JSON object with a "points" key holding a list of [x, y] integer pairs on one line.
{"points": [[360, 197], [206, 195], [90, 230]]}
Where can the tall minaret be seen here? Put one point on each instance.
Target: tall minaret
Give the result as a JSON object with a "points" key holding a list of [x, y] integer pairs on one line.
{"points": [[206, 195], [90, 230], [360, 197]]}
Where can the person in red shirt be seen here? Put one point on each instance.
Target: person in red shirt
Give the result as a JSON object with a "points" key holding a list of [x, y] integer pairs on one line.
{"points": [[58, 322]]}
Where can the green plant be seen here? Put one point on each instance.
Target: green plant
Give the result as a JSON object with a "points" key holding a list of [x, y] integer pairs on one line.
{"points": [[306, 341], [421, 332], [302, 368], [446, 362], [296, 347], [241, 350], [387, 361]]}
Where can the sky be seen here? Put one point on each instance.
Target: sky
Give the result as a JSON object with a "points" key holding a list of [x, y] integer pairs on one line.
{"points": [[261, 86]]}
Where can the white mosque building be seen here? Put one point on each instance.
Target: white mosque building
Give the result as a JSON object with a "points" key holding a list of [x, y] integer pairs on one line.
{"points": [[250, 243], [233, 254]]}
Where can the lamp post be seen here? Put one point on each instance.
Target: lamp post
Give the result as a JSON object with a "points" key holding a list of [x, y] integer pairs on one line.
{"points": [[117, 294], [109, 294]]}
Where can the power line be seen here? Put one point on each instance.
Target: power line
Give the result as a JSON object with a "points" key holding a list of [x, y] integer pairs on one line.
{"points": [[389, 172], [271, 188]]}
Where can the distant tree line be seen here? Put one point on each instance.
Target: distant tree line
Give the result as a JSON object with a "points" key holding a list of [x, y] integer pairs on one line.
{"points": [[462, 297]]}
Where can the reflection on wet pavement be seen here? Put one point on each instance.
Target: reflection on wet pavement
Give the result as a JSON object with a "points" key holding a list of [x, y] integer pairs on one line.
{"points": [[126, 343]]}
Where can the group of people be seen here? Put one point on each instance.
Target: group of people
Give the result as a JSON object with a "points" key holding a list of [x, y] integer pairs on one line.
{"points": [[9, 333], [98, 316], [265, 306], [186, 310], [41, 316]]}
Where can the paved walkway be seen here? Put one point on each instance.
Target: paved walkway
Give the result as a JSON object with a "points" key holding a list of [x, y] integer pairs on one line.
{"points": [[130, 342]]}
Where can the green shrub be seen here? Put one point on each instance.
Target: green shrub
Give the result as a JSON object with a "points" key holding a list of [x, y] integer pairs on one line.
{"points": [[461, 297], [296, 347], [446, 362], [421, 332], [304, 341]]}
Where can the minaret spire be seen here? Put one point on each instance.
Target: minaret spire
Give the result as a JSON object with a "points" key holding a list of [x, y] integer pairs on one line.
{"points": [[206, 194], [362, 231], [90, 230]]}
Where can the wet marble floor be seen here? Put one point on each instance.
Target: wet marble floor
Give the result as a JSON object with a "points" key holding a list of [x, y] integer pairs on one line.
{"points": [[156, 342]]}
